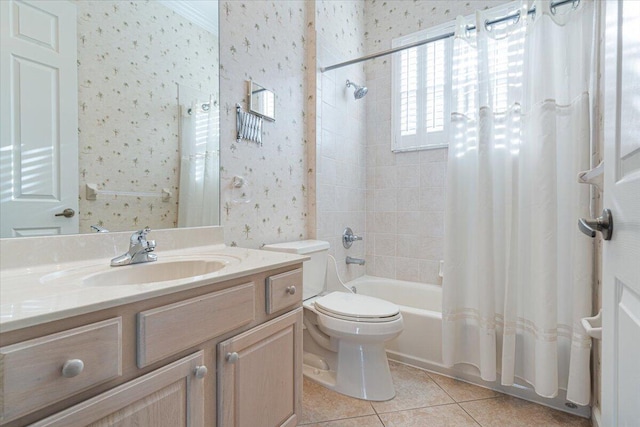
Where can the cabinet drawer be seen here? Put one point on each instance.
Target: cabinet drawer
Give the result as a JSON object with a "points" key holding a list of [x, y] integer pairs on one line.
{"points": [[166, 330], [284, 290], [42, 371], [170, 396]]}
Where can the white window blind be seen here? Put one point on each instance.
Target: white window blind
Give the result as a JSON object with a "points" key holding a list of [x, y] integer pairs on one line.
{"points": [[422, 81], [422, 92]]}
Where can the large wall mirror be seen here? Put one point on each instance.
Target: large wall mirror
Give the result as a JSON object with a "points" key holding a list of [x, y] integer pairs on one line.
{"points": [[137, 139]]}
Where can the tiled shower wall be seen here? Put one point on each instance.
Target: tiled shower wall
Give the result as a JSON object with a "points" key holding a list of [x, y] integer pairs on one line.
{"points": [[341, 131], [405, 191]]}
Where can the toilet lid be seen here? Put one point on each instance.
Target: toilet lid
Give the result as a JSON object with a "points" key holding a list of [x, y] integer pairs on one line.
{"points": [[347, 305]]}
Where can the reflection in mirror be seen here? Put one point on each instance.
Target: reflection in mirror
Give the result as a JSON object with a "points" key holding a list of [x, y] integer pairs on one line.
{"points": [[199, 158], [135, 138], [262, 101]]}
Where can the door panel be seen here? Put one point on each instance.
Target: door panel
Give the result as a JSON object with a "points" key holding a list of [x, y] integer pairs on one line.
{"points": [[260, 375], [39, 117], [621, 269]]}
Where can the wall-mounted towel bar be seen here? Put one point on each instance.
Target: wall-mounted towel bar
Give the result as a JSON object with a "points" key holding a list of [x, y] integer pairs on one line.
{"points": [[249, 126], [92, 192], [592, 176]]}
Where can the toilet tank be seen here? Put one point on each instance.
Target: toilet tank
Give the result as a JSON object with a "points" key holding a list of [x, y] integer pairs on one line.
{"points": [[315, 270]]}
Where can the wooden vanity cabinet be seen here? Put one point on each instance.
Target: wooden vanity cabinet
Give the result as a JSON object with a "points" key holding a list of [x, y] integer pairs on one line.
{"points": [[179, 358], [260, 373]]}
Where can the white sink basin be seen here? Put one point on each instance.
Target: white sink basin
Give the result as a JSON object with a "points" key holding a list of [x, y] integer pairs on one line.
{"points": [[152, 272], [164, 270]]}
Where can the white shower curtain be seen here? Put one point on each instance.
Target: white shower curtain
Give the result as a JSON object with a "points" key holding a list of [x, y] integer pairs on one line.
{"points": [[517, 272], [199, 165]]}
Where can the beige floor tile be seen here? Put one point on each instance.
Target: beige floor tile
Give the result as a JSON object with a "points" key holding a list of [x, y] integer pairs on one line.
{"points": [[369, 421], [320, 404], [461, 391], [414, 389], [440, 416], [511, 412]]}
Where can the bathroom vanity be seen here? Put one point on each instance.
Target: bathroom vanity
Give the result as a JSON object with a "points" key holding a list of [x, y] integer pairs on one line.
{"points": [[83, 343]]}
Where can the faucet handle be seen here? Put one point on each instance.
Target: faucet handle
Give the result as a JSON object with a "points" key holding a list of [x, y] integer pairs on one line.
{"points": [[150, 246], [348, 238], [140, 236]]}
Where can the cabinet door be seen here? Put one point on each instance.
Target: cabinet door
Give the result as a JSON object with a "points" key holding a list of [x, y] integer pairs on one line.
{"points": [[260, 375], [171, 396]]}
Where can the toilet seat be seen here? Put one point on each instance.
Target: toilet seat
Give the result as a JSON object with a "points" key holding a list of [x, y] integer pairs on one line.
{"points": [[357, 308]]}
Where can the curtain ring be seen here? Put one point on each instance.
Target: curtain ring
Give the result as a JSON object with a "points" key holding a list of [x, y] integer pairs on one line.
{"points": [[515, 17], [467, 31], [574, 6]]}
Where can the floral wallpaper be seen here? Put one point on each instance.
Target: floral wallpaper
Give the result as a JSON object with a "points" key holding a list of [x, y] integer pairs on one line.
{"points": [[265, 41], [131, 56]]}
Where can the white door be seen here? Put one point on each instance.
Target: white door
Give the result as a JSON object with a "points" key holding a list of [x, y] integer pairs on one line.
{"points": [[38, 118], [621, 255]]}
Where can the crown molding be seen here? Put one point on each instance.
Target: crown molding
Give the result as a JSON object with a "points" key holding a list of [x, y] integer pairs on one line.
{"points": [[191, 10]]}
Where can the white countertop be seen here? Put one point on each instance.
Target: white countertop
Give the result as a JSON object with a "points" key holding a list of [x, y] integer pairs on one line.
{"points": [[47, 291]]}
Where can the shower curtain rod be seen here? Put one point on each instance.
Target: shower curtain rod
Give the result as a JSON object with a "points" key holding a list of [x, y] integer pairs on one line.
{"points": [[515, 16]]}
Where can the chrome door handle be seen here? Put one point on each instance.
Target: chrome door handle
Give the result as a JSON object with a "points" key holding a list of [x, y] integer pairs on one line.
{"points": [[67, 213], [603, 224]]}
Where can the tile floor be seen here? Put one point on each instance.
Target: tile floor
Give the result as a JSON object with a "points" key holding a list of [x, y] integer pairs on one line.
{"points": [[427, 399]]}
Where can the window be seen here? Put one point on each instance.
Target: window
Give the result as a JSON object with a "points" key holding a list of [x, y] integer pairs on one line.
{"points": [[422, 91], [422, 81]]}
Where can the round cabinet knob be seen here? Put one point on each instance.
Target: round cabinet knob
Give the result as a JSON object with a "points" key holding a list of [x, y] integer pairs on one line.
{"points": [[200, 372], [232, 357], [72, 368], [291, 290]]}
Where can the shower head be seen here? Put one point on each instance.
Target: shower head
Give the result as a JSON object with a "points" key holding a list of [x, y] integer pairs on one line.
{"points": [[359, 91]]}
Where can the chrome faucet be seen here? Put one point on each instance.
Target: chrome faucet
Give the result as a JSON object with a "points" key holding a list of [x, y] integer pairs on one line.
{"points": [[99, 229], [351, 260], [139, 250]]}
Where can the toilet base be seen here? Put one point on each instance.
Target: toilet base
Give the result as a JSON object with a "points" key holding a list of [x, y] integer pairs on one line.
{"points": [[357, 371]]}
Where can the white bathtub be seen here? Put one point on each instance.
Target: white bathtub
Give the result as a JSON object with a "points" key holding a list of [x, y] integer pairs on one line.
{"points": [[420, 344]]}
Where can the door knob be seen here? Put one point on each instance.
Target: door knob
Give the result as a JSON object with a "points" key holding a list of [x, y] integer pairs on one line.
{"points": [[67, 213], [603, 224]]}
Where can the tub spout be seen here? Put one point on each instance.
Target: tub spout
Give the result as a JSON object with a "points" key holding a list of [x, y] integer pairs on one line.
{"points": [[351, 260]]}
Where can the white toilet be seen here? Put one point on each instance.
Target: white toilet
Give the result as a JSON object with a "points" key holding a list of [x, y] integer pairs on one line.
{"points": [[344, 333]]}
